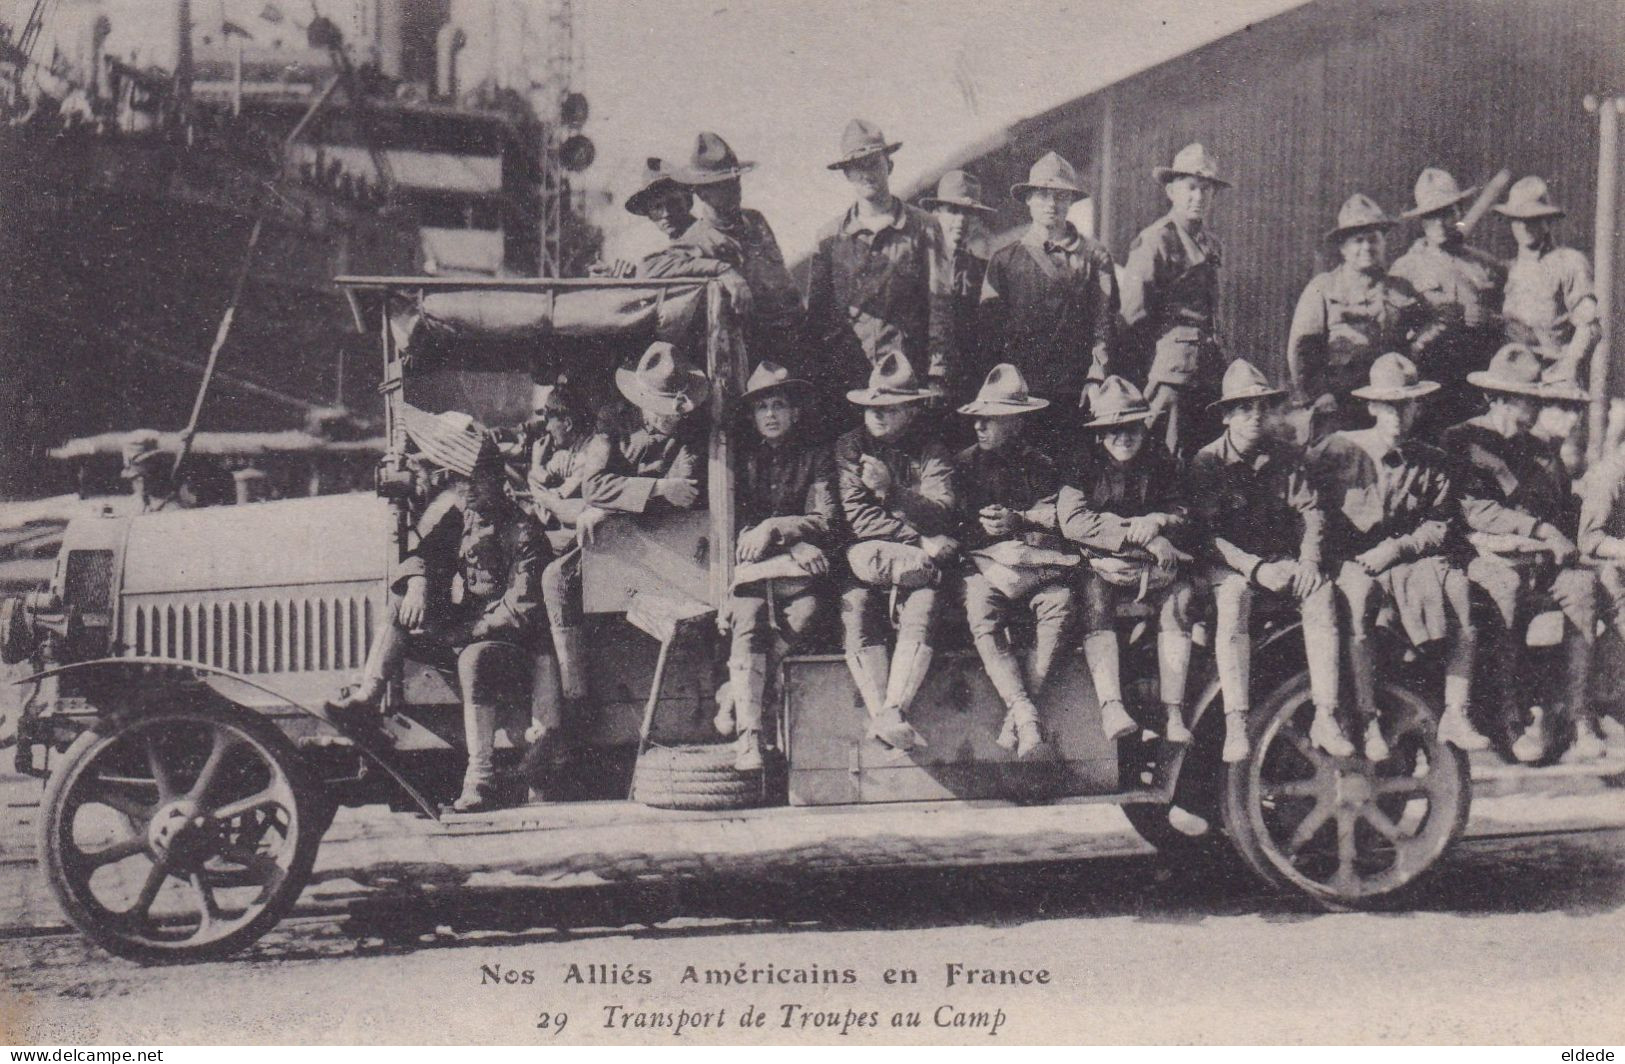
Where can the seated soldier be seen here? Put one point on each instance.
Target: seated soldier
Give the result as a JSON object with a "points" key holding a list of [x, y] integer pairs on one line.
{"points": [[469, 589], [897, 495], [1265, 527], [785, 502], [1016, 559], [1602, 544], [1395, 520], [1125, 505], [661, 464], [565, 450], [1516, 508]]}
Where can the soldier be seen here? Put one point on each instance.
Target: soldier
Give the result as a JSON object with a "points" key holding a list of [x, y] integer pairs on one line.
{"points": [[713, 173], [1170, 300], [1515, 510], [960, 211], [877, 280], [469, 590], [1049, 303], [695, 248], [1460, 287], [1266, 533], [788, 518], [1125, 505], [1016, 557], [1602, 543], [1345, 318], [1395, 521], [897, 495], [565, 451], [1549, 305], [661, 464]]}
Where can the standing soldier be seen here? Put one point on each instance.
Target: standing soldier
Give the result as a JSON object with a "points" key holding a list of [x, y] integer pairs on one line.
{"points": [[1550, 305], [876, 284], [1049, 303], [1345, 318], [1517, 515], [1016, 558], [787, 517], [713, 173], [1125, 506], [1266, 530], [897, 494], [1393, 516], [1171, 300], [695, 248], [1460, 286], [960, 211]]}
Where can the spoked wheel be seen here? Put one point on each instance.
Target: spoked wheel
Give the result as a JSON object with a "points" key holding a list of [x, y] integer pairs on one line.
{"points": [[182, 833], [1342, 830]]}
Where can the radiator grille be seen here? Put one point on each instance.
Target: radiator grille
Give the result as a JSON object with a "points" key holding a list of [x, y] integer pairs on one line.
{"points": [[301, 633], [88, 580]]}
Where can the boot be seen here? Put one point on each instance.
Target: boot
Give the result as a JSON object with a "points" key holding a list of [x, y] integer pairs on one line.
{"points": [[748, 750], [1030, 744], [479, 780], [1457, 730], [1236, 744], [870, 668], [1326, 732], [1046, 650], [747, 682], [724, 722], [1363, 669], [1100, 653], [1021, 734], [1587, 745], [1376, 744], [570, 648], [358, 706], [910, 664], [1115, 721], [547, 739], [1531, 745], [1175, 731], [1005, 674]]}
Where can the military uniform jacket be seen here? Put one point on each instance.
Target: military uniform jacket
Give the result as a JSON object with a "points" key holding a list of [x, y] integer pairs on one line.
{"points": [[701, 251], [1255, 508], [1095, 505], [627, 481], [565, 470], [1049, 309], [1406, 494], [1505, 486], [791, 485], [1602, 511], [870, 293], [1459, 285], [1343, 321], [1017, 476], [1170, 300], [776, 302], [967, 271], [922, 497], [1548, 294], [485, 563]]}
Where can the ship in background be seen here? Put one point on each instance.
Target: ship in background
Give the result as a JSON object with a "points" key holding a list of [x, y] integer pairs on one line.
{"points": [[142, 140]]}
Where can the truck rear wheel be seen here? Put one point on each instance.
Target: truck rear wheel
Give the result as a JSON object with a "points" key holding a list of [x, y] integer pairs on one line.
{"points": [[181, 833], [1344, 831]]}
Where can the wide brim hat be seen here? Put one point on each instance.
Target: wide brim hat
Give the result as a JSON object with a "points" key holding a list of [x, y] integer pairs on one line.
{"points": [[957, 189], [1002, 394], [656, 179], [1243, 382], [1359, 214], [1050, 172], [1529, 198], [663, 383], [1118, 402], [1394, 379], [452, 440], [1563, 392], [769, 377], [862, 140], [1436, 190], [891, 383], [1192, 160], [711, 163], [1514, 369]]}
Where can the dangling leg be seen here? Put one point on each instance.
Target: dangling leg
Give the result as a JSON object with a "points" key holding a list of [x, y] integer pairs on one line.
{"points": [[916, 632], [1174, 656], [866, 655], [1359, 593], [747, 674], [479, 669], [986, 608], [561, 592], [1456, 727], [1101, 653], [384, 658], [1321, 648], [549, 737], [1575, 590], [1232, 653]]}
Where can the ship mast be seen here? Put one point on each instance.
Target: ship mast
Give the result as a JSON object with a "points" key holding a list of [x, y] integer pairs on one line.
{"points": [[548, 93]]}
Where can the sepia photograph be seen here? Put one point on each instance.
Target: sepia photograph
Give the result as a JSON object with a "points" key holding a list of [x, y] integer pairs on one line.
{"points": [[546, 523]]}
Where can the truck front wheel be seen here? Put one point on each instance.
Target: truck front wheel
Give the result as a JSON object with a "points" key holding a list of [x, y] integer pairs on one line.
{"points": [[179, 833]]}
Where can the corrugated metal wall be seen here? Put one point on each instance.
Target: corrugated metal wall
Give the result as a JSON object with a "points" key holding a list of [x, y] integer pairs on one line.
{"points": [[1337, 97]]}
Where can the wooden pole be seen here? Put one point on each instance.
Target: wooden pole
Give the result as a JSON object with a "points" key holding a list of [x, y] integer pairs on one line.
{"points": [[1607, 109]]}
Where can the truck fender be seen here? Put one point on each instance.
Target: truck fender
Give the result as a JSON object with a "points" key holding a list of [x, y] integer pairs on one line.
{"points": [[172, 672]]}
